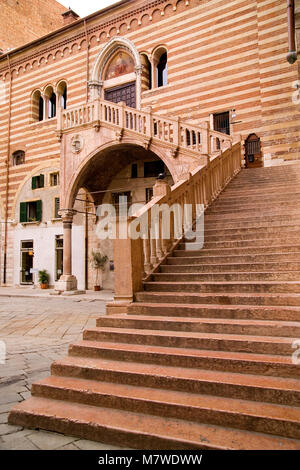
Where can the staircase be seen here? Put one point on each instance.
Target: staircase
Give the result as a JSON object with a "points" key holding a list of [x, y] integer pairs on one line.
{"points": [[203, 359]]}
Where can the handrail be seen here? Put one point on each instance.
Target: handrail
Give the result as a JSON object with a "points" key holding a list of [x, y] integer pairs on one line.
{"points": [[200, 188]]}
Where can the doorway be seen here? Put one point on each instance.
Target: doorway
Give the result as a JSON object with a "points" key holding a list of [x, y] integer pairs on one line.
{"points": [[125, 93], [253, 155], [27, 262], [59, 256]]}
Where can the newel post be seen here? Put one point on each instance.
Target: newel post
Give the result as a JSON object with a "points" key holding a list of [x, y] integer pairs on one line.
{"points": [[128, 265]]}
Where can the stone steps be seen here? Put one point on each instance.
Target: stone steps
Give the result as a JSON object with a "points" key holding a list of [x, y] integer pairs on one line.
{"points": [[203, 358], [226, 361], [230, 268], [247, 243], [246, 250], [139, 431], [259, 287], [214, 311], [234, 259], [261, 388], [206, 325], [197, 408], [226, 276], [181, 339], [244, 233], [279, 299]]}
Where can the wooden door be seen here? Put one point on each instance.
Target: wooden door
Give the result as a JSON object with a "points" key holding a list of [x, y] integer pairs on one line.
{"points": [[126, 93]]}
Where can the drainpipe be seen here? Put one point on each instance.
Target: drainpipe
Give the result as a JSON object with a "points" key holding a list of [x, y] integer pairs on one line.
{"points": [[7, 176], [87, 60], [292, 55]]}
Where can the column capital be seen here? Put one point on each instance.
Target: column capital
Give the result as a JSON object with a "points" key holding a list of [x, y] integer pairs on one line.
{"points": [[67, 215], [138, 69]]}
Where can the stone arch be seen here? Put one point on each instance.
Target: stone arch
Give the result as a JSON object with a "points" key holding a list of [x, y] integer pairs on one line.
{"points": [[104, 151], [104, 56]]}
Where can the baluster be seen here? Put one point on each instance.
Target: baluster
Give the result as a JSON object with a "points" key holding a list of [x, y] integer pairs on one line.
{"points": [[159, 251], [153, 257], [147, 255]]}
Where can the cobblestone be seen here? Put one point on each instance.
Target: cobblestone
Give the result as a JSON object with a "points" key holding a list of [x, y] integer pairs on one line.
{"points": [[36, 331]]}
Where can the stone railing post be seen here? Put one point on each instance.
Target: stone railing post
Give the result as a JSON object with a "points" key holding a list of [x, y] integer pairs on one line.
{"points": [[176, 132], [149, 127], [122, 105], [206, 143], [128, 263]]}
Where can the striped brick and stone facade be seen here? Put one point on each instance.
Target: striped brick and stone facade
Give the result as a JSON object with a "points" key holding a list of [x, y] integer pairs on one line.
{"points": [[221, 58]]}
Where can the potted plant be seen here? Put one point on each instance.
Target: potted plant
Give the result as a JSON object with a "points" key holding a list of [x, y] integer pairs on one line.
{"points": [[44, 279], [98, 262]]}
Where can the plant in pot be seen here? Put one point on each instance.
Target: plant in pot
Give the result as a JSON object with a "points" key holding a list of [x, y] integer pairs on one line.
{"points": [[98, 262], [44, 279]]}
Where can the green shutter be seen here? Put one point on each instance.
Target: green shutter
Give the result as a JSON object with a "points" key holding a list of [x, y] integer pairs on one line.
{"points": [[33, 182], [23, 212], [57, 207], [39, 211], [42, 181]]}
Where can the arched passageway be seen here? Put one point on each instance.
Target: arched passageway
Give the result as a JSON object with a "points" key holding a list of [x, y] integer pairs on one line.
{"points": [[124, 169]]}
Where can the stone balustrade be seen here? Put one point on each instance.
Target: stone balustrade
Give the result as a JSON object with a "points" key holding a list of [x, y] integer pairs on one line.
{"points": [[174, 132], [136, 259]]}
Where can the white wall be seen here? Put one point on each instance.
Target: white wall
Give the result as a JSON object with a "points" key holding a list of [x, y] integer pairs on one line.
{"points": [[44, 250]]}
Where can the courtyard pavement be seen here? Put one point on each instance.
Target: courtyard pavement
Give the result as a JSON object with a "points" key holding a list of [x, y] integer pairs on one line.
{"points": [[37, 329]]}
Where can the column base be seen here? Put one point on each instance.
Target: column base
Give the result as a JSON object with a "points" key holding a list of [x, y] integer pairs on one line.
{"points": [[118, 306], [66, 284]]}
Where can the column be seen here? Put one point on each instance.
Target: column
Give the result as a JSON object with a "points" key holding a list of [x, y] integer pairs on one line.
{"points": [[67, 282], [138, 72]]}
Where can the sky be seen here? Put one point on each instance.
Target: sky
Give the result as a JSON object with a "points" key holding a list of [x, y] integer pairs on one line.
{"points": [[86, 7]]}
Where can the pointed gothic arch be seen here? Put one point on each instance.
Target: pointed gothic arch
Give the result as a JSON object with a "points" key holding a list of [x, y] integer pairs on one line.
{"points": [[96, 83]]}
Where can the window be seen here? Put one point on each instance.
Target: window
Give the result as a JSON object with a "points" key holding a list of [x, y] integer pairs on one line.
{"points": [[54, 179], [37, 106], [147, 73], [62, 94], [122, 201], [149, 194], [18, 157], [56, 208], [162, 70], [50, 102], [59, 254], [52, 106], [27, 255], [153, 169], [30, 211], [134, 170], [222, 123], [38, 182]]}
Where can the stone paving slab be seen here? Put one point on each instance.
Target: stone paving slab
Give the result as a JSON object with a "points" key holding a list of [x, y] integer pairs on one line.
{"points": [[31, 328]]}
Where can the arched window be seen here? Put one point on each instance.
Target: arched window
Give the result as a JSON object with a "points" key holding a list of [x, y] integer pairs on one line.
{"points": [[52, 106], [146, 73], [18, 158], [62, 95], [50, 102], [162, 70], [37, 106], [160, 60]]}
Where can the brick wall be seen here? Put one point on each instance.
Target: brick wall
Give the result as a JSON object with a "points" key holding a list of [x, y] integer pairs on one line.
{"points": [[22, 21]]}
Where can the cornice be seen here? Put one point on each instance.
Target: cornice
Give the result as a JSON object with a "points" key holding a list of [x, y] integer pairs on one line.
{"points": [[98, 34]]}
